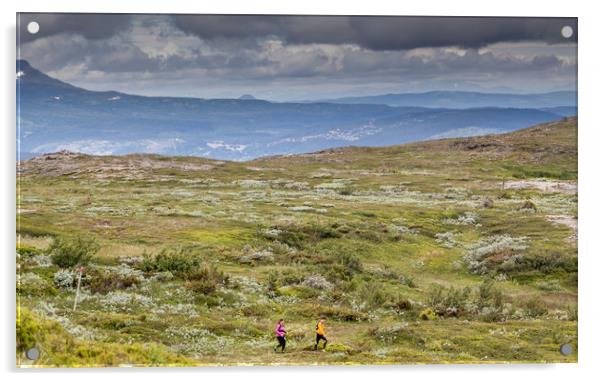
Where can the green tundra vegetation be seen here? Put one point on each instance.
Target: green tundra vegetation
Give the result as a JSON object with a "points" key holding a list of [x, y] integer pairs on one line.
{"points": [[451, 251]]}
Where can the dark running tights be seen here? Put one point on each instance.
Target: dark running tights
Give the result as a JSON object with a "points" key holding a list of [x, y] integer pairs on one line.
{"points": [[281, 342]]}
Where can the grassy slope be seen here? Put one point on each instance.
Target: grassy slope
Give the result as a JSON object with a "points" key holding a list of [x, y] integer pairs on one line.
{"points": [[142, 203]]}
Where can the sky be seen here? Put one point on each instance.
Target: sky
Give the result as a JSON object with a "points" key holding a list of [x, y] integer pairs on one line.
{"points": [[284, 58]]}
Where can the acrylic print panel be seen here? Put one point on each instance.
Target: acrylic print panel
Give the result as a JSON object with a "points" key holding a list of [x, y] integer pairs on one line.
{"points": [[279, 190]]}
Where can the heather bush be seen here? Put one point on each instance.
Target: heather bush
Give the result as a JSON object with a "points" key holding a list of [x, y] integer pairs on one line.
{"points": [[468, 218], [491, 252], [446, 239], [252, 256], [64, 279], [317, 281]]}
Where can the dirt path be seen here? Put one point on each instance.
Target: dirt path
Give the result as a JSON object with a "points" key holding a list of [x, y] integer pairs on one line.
{"points": [[565, 220], [567, 187]]}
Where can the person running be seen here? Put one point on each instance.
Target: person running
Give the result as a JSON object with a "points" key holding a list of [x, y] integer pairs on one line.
{"points": [[280, 335], [320, 333]]}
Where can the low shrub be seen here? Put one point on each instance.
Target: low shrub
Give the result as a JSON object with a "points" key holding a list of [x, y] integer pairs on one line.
{"points": [[71, 252], [179, 262], [549, 285], [253, 256], [528, 205], [483, 302], [401, 304], [340, 348], [64, 279], [26, 251], [317, 281], [548, 262], [102, 281], [493, 253], [448, 301], [372, 295], [535, 307], [487, 203], [205, 280], [31, 284], [347, 191], [291, 276], [341, 259], [390, 334], [488, 295], [300, 236], [273, 281], [427, 314], [407, 281], [29, 331]]}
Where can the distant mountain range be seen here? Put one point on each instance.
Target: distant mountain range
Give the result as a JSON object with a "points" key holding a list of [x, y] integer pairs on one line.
{"points": [[54, 115], [467, 99]]}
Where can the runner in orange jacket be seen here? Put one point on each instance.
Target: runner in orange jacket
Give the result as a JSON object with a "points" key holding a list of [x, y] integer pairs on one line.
{"points": [[320, 333]]}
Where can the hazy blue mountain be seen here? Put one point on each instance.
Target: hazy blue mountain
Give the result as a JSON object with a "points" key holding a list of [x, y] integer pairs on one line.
{"points": [[54, 115], [247, 97], [561, 110], [466, 99]]}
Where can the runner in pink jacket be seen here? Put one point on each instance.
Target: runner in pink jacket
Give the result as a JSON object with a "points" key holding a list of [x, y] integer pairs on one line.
{"points": [[280, 335]]}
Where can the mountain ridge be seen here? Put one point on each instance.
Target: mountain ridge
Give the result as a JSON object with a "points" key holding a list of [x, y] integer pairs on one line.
{"points": [[55, 115], [466, 99]]}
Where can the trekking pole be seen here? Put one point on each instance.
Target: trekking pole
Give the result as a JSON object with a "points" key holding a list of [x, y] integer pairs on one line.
{"points": [[79, 282]]}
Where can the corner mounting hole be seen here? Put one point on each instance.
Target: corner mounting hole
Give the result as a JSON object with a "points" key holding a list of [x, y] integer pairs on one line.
{"points": [[566, 349], [32, 353], [33, 27], [567, 31]]}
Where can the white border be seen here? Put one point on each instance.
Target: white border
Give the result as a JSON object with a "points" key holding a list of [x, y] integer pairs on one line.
{"points": [[590, 141]]}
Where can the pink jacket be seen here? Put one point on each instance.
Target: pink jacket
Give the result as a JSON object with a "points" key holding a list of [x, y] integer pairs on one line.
{"points": [[280, 331]]}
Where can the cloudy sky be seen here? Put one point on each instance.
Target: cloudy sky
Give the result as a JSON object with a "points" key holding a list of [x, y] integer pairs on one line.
{"points": [[301, 57]]}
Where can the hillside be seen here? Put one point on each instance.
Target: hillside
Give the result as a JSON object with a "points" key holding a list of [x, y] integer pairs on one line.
{"points": [[454, 250]]}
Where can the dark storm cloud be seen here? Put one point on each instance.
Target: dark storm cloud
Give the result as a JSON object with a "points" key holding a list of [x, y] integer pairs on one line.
{"points": [[371, 32], [90, 26], [380, 32]]}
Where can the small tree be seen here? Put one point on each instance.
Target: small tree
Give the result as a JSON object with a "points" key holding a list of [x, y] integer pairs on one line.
{"points": [[71, 252]]}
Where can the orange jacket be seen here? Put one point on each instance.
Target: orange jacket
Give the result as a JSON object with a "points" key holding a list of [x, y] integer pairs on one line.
{"points": [[320, 329]]}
